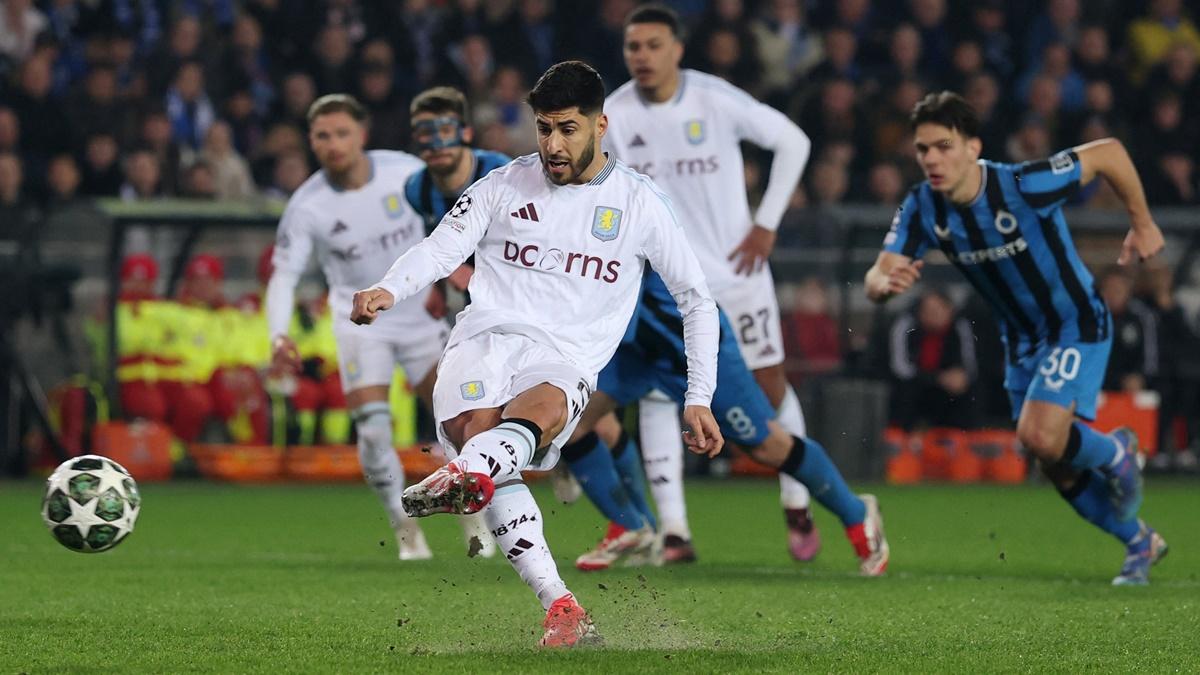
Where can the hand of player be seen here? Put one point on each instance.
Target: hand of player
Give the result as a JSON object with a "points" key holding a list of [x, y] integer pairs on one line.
{"points": [[754, 250], [285, 357], [460, 277], [954, 381], [903, 276], [1141, 243], [369, 303], [435, 304], [702, 436]]}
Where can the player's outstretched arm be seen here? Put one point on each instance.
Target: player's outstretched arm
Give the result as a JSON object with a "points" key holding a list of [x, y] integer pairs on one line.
{"points": [[1108, 157], [892, 274], [703, 434]]}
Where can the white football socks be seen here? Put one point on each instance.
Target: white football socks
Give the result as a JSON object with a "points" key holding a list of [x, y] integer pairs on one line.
{"points": [[380, 465], [516, 521], [792, 493], [500, 452], [662, 456]]}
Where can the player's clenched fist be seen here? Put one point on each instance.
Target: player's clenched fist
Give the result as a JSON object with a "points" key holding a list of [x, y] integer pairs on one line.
{"points": [[703, 436], [369, 303]]}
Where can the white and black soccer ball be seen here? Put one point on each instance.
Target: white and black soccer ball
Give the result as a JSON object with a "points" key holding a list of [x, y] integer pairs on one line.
{"points": [[91, 504]]}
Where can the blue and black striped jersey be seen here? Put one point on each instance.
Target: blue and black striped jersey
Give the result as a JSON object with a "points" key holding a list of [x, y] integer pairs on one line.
{"points": [[431, 202], [1013, 245]]}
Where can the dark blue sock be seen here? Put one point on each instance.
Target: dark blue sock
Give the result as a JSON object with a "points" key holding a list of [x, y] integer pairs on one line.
{"points": [[1089, 449], [809, 463], [629, 468], [1089, 498], [592, 464]]}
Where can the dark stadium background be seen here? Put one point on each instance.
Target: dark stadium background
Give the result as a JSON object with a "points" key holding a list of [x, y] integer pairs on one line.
{"points": [[109, 109]]}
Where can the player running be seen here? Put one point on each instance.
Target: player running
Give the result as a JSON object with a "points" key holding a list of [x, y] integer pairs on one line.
{"points": [[550, 300], [352, 214], [1002, 225], [683, 129], [651, 358]]}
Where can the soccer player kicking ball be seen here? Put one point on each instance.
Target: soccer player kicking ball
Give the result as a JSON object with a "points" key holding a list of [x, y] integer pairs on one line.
{"points": [[353, 214], [550, 300], [1002, 225]]}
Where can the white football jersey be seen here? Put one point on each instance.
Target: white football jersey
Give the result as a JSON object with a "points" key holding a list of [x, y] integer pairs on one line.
{"points": [[563, 264], [357, 235], [689, 146]]}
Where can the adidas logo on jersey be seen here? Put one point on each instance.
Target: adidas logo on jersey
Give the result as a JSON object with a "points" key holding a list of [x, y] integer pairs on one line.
{"points": [[637, 141], [527, 212], [339, 228]]}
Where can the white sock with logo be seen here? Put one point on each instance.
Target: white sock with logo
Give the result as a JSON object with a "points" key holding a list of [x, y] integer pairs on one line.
{"points": [[662, 456], [500, 452], [516, 522]]}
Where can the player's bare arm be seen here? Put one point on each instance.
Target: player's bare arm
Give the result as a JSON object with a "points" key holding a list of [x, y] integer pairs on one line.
{"points": [[1108, 157], [892, 274], [369, 303], [702, 436]]}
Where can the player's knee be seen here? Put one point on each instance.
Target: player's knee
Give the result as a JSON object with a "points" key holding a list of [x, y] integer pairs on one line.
{"points": [[775, 449], [1044, 443]]}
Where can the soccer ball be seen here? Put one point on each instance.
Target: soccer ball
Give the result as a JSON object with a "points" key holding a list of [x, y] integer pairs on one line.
{"points": [[91, 504]]}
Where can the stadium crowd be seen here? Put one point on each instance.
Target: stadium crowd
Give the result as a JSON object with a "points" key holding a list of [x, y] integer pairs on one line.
{"points": [[145, 99]]}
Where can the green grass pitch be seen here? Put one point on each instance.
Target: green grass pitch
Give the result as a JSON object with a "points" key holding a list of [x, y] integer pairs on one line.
{"points": [[221, 578]]}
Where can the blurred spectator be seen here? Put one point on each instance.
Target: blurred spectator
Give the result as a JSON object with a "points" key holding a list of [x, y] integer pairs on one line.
{"points": [[1176, 384], [507, 108], [44, 127], [1177, 73], [889, 126], [983, 93], [933, 367], [182, 46], [62, 181], [291, 170], [885, 184], [280, 139], [16, 209], [331, 64], [1055, 64], [246, 64], [787, 46], [528, 38], [20, 24], [143, 177], [418, 26], [829, 182], [101, 168], [1093, 59], [605, 43], [299, 91], [10, 130], [230, 174], [1044, 101], [245, 121], [731, 55], [966, 61], [1031, 141], [811, 338], [388, 127], [904, 57], [157, 135], [188, 106], [931, 21], [988, 26], [833, 116], [1152, 36], [1059, 23], [1165, 148], [469, 67], [1133, 360], [199, 181], [841, 48], [94, 108]]}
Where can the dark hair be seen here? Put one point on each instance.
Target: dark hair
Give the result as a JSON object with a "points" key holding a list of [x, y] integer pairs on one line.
{"points": [[335, 103], [568, 84], [656, 13], [440, 100], [949, 110]]}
